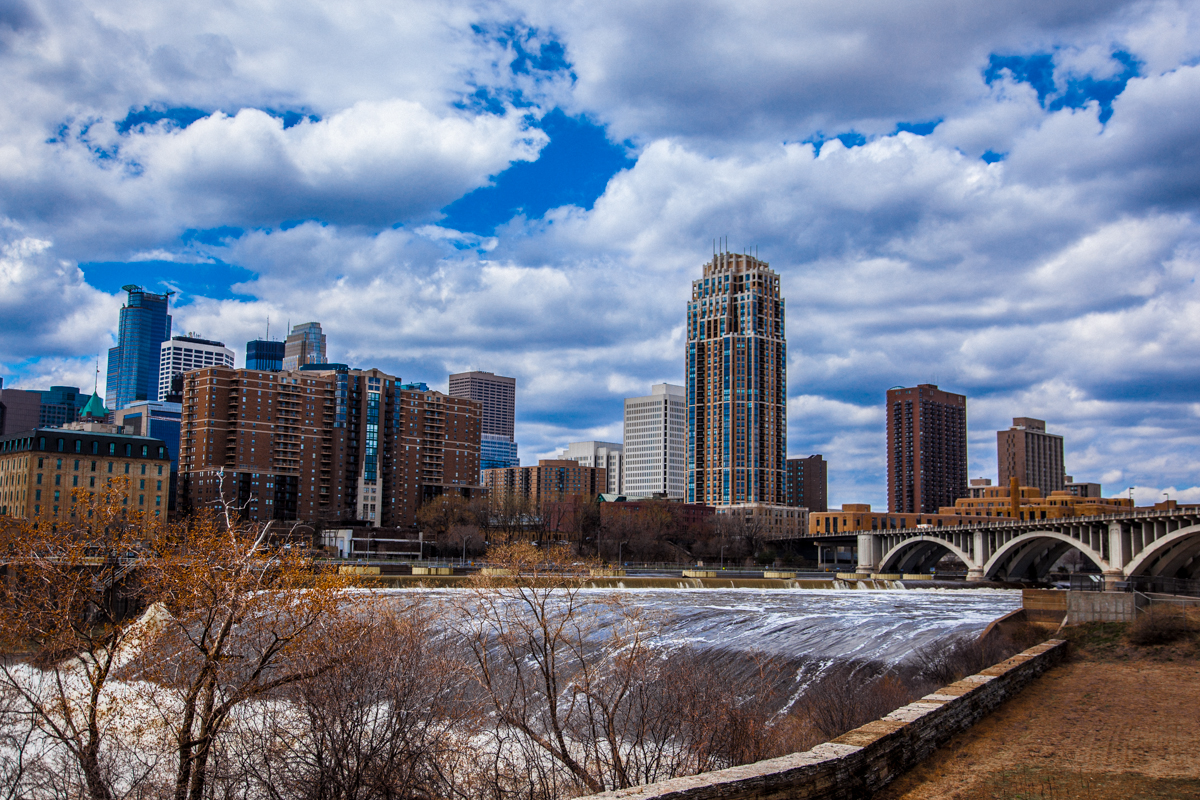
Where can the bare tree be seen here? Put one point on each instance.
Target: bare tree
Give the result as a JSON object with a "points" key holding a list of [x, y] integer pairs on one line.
{"points": [[389, 721], [64, 603], [243, 616]]}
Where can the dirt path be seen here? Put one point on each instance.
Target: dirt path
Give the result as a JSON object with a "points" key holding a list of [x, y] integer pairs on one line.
{"points": [[1117, 724]]}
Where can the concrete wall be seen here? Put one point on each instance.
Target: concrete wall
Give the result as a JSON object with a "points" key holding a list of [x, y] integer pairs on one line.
{"points": [[867, 758], [1102, 607], [1044, 605]]}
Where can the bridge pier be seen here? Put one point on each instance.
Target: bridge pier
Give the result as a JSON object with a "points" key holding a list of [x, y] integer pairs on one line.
{"points": [[976, 574], [869, 552], [1111, 577]]}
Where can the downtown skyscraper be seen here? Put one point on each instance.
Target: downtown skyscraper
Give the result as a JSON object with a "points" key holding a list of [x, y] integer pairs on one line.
{"points": [[736, 384], [133, 365]]}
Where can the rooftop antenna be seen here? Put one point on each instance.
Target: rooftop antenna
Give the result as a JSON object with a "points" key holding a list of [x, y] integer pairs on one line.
{"points": [[268, 327], [96, 381]]}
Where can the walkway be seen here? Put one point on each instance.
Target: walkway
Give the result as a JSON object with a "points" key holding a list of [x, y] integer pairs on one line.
{"points": [[1093, 728]]}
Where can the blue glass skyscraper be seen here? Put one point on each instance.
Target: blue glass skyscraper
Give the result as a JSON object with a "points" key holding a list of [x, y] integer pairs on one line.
{"points": [[133, 363], [265, 355]]}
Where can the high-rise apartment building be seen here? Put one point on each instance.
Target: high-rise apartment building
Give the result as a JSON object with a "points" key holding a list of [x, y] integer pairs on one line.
{"points": [[265, 355], [808, 483], [655, 447], [181, 354], [736, 384], [927, 448], [133, 363], [498, 395], [304, 345], [1026, 452], [608, 455], [330, 445]]}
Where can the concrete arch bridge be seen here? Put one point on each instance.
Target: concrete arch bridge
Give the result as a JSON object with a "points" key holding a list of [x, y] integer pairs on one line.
{"points": [[1138, 543]]}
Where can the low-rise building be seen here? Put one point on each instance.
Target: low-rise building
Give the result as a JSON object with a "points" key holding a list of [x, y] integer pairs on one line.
{"points": [[768, 520], [609, 455], [551, 479], [40, 468], [855, 517]]}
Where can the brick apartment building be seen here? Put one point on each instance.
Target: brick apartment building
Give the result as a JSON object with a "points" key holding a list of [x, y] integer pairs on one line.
{"points": [[927, 449], [325, 443], [550, 480]]}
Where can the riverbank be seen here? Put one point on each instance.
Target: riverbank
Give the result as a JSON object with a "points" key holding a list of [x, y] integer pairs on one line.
{"points": [[1117, 721]]}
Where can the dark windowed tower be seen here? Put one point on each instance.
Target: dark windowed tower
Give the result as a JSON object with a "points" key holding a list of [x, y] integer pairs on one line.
{"points": [[736, 384], [133, 363], [927, 449], [264, 355], [808, 483]]}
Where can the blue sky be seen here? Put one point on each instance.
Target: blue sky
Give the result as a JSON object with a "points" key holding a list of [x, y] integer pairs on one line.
{"points": [[1001, 200]]}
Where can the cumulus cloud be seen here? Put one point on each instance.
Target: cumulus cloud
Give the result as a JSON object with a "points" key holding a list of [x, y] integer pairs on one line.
{"points": [[1028, 239], [46, 306]]}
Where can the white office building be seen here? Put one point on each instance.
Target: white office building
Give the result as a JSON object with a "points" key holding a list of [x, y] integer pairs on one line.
{"points": [[607, 455], [181, 354], [656, 443]]}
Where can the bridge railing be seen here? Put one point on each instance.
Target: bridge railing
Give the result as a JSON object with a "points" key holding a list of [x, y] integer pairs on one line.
{"points": [[1003, 522]]}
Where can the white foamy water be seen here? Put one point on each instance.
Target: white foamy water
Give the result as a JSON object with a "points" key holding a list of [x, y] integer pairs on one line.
{"points": [[880, 626], [821, 626]]}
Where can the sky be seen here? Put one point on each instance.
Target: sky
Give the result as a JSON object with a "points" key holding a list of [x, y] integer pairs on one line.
{"points": [[1000, 198]]}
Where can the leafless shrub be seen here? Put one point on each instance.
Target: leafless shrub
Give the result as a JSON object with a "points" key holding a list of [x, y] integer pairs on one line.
{"points": [[388, 721], [852, 695], [1160, 624]]}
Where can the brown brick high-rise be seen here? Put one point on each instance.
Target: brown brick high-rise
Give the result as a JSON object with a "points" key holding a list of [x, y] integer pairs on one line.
{"points": [[326, 445], [736, 385], [927, 449]]}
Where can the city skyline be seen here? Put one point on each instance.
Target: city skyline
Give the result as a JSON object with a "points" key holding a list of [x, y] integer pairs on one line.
{"points": [[997, 201]]}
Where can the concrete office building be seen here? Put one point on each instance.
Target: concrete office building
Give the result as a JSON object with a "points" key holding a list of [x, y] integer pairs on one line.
{"points": [[1026, 452], [133, 365], [608, 455], [498, 396], [736, 365], [304, 345], [655, 447], [927, 449], [181, 354], [265, 355], [332, 445], [808, 483], [42, 467]]}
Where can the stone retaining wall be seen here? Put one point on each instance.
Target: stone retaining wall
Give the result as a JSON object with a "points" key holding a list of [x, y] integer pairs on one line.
{"points": [[867, 758]]}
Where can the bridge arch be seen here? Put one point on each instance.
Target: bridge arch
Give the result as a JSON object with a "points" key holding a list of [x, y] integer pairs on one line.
{"points": [[918, 548], [1021, 552], [1168, 555]]}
